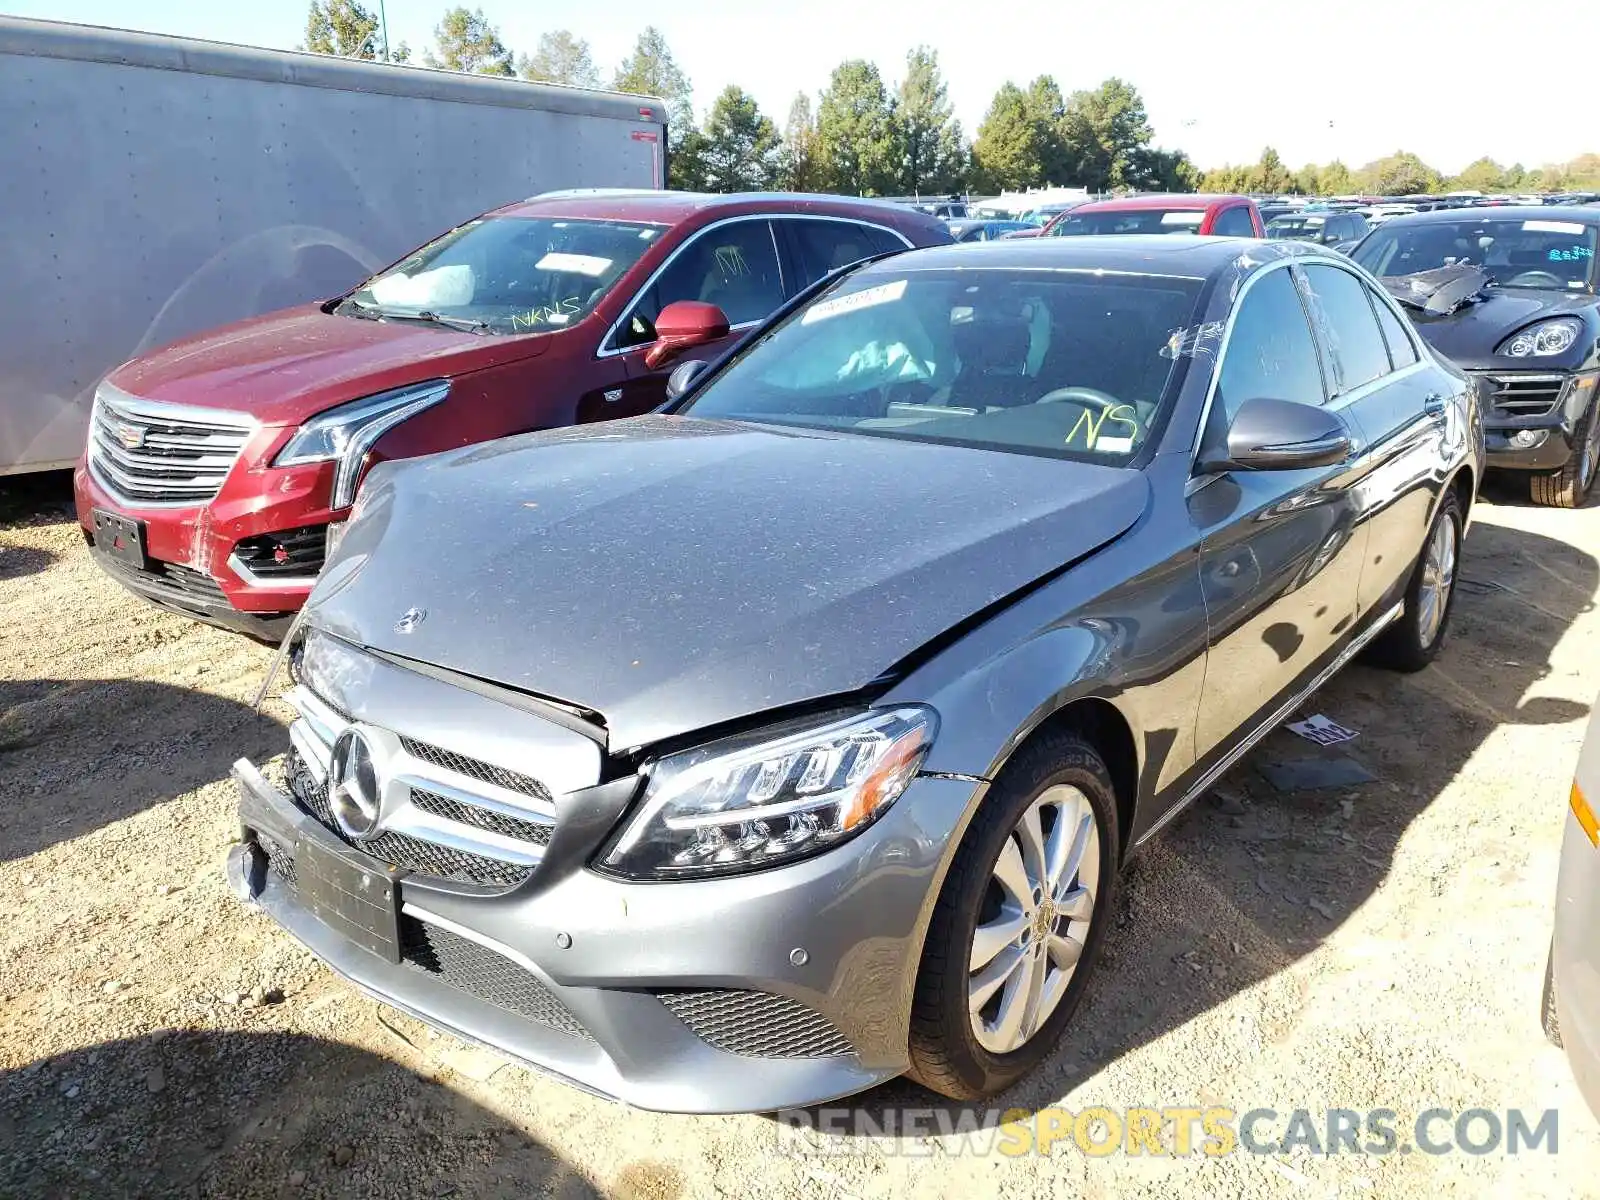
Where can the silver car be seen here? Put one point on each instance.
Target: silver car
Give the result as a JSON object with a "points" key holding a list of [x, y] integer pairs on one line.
{"points": [[1572, 979], [751, 753]]}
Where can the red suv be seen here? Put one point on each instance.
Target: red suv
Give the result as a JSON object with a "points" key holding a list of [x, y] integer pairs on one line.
{"points": [[217, 468], [1190, 212]]}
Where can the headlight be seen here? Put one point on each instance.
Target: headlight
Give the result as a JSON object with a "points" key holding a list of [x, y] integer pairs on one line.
{"points": [[1544, 339], [345, 434], [754, 802]]}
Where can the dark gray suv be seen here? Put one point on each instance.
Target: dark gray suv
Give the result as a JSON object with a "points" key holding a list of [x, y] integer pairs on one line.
{"points": [[755, 752]]}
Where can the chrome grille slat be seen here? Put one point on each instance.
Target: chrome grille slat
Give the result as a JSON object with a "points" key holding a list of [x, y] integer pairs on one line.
{"points": [[183, 456], [1524, 395]]}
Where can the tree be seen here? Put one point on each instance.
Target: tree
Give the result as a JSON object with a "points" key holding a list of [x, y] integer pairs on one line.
{"points": [[1153, 170], [560, 58], [1269, 175], [741, 151], [467, 42], [1006, 156], [1481, 175], [1048, 110], [1102, 129], [858, 151], [342, 27], [1334, 180], [652, 71], [1307, 180], [1400, 174], [933, 153], [798, 167]]}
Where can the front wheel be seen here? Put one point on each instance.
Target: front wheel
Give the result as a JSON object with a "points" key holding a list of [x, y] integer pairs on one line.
{"points": [[1018, 923], [1569, 486], [1413, 641]]}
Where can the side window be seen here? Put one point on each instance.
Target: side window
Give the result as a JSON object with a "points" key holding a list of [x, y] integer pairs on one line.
{"points": [[1234, 222], [824, 246], [733, 266], [1348, 326], [1270, 352], [1402, 353]]}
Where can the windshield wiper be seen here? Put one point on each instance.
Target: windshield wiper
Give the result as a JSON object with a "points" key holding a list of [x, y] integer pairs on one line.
{"points": [[372, 312], [367, 312]]}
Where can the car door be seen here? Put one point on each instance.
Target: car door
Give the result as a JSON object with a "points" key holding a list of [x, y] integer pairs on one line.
{"points": [[733, 264], [1380, 377], [1281, 550]]}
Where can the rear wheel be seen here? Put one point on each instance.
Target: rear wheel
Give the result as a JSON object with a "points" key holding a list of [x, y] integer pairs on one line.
{"points": [[1414, 639], [1019, 922], [1569, 486]]}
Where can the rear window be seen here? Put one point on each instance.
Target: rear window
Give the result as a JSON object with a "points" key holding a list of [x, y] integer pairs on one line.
{"points": [[1149, 220]]}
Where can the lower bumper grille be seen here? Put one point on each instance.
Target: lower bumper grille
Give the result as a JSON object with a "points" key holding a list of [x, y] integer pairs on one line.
{"points": [[289, 554], [401, 850], [176, 583], [1512, 395], [756, 1024], [479, 971]]}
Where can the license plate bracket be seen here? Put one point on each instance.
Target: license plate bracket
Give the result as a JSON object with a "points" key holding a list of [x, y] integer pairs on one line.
{"points": [[352, 894], [120, 537]]}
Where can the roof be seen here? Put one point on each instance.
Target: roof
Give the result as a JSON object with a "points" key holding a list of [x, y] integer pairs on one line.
{"points": [[1172, 202], [669, 208], [1502, 212], [1176, 255]]}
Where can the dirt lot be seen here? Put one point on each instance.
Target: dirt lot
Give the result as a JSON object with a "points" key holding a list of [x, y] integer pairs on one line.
{"points": [[1371, 946]]}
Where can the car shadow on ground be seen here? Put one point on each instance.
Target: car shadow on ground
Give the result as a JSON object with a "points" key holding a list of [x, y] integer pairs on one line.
{"points": [[1238, 890], [136, 738], [18, 561], [209, 1113]]}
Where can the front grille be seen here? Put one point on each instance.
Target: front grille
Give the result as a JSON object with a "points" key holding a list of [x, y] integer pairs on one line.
{"points": [[1527, 395], [473, 769], [150, 453], [479, 971], [288, 554], [401, 850], [484, 818], [756, 1024]]}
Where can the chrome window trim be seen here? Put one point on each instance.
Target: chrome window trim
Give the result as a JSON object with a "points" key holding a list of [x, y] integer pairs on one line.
{"points": [[608, 348]]}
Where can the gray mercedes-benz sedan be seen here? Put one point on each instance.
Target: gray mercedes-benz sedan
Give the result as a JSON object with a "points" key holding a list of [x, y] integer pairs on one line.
{"points": [[760, 750]]}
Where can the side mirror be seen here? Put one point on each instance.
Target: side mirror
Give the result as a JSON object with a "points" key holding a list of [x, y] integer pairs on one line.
{"points": [[1280, 435], [683, 325], [683, 377]]}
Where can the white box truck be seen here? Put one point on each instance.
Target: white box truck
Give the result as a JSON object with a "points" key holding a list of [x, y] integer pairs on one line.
{"points": [[153, 186]]}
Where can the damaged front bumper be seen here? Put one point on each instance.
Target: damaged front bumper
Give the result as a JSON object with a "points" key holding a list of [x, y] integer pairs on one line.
{"points": [[781, 988]]}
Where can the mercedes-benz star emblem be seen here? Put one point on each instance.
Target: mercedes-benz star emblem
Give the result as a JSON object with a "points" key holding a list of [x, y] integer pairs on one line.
{"points": [[410, 620], [354, 791]]}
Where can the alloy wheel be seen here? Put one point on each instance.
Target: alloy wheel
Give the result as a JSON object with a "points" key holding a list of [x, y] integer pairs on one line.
{"points": [[1438, 577], [1035, 919]]}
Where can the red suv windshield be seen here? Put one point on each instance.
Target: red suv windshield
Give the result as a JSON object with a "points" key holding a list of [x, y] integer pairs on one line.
{"points": [[508, 274]]}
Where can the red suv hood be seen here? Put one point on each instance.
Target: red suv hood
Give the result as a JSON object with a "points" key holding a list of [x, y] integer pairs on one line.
{"points": [[286, 366]]}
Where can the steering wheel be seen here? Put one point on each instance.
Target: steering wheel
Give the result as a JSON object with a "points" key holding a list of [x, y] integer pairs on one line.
{"points": [[1538, 279], [1090, 397]]}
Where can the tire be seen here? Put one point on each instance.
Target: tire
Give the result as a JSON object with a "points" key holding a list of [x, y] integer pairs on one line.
{"points": [[1547, 1003], [947, 1054], [1569, 486], [1414, 639]]}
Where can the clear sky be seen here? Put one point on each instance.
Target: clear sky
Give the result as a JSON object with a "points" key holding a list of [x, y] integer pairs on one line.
{"points": [[1355, 79]]}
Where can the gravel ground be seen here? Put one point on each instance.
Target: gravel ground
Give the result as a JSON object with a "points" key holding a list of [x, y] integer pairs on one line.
{"points": [[1372, 946]]}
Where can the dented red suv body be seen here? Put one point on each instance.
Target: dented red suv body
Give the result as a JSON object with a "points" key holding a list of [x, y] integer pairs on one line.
{"points": [[216, 466]]}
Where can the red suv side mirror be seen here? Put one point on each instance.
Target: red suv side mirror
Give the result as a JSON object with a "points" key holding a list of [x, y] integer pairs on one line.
{"points": [[683, 325]]}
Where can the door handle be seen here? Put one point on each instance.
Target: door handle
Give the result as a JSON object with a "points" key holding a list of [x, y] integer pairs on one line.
{"points": [[1433, 404]]}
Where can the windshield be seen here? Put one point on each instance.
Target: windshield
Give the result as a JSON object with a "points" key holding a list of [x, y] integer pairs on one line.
{"points": [[1302, 229], [1063, 364], [1146, 220], [1518, 252], [513, 274]]}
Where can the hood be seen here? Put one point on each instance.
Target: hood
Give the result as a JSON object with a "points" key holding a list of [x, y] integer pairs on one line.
{"points": [[285, 366], [1468, 336], [673, 573]]}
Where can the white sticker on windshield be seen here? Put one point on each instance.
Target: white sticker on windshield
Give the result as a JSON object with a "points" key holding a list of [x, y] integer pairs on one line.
{"points": [[1114, 445], [578, 264], [1182, 218], [884, 293], [1571, 227]]}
